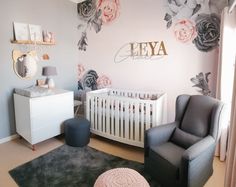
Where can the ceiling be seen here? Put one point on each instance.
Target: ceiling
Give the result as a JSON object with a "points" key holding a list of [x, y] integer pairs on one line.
{"points": [[77, 1]]}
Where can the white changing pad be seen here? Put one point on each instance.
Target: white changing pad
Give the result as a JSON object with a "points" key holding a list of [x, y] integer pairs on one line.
{"points": [[33, 91]]}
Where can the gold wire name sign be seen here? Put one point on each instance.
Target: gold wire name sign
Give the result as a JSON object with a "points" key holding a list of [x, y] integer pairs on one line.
{"points": [[140, 51]]}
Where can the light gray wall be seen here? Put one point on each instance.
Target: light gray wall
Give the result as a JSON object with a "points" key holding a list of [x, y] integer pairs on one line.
{"points": [[58, 16]]}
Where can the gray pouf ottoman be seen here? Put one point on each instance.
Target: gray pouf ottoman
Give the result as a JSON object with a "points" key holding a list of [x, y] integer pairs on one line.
{"points": [[77, 132]]}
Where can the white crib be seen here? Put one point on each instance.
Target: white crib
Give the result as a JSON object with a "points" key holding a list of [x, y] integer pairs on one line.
{"points": [[124, 115]]}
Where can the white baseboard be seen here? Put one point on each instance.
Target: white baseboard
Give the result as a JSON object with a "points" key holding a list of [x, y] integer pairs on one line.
{"points": [[9, 138]]}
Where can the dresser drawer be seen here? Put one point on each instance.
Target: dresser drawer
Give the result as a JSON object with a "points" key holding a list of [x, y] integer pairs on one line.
{"points": [[50, 105], [45, 133]]}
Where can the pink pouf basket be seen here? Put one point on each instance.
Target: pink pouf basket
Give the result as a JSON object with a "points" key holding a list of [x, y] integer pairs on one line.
{"points": [[121, 177]]}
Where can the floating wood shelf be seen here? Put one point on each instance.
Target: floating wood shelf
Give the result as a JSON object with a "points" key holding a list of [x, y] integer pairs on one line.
{"points": [[31, 42]]}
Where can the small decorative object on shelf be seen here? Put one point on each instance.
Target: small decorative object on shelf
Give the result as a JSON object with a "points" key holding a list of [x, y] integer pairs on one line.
{"points": [[48, 36], [49, 71]]}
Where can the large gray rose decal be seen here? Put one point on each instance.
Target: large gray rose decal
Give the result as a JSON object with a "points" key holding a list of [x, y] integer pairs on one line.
{"points": [[90, 80], [87, 9], [208, 32]]}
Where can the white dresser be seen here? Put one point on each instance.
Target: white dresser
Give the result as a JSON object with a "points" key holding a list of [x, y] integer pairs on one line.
{"points": [[41, 118]]}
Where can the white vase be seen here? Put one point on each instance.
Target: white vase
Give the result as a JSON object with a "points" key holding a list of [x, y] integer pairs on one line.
{"points": [[51, 83]]}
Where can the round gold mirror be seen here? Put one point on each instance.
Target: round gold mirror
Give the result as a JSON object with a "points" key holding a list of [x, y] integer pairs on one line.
{"points": [[24, 64]]}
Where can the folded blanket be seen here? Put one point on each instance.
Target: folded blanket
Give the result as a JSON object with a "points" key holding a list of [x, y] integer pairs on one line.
{"points": [[33, 91]]}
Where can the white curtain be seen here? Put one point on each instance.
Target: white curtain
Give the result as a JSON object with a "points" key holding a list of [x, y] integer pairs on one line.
{"points": [[230, 175], [226, 75]]}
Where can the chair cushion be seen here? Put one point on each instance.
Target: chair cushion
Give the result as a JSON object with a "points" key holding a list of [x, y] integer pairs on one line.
{"points": [[197, 117], [169, 152], [184, 139], [168, 157]]}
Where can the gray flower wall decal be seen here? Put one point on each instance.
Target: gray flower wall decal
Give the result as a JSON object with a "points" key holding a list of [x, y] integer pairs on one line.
{"points": [[90, 80], [200, 16], [82, 44], [208, 32], [92, 15], [201, 81], [86, 10]]}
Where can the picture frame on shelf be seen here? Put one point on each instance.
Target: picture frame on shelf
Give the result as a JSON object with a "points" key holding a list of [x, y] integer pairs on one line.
{"points": [[21, 31], [35, 32]]}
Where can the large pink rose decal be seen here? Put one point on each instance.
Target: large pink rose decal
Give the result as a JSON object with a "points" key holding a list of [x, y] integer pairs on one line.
{"points": [[103, 82], [185, 31], [109, 10]]}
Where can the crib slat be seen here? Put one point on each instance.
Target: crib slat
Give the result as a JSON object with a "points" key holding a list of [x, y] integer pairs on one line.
{"points": [[108, 116], [121, 119], [117, 118], [103, 115], [126, 120], [136, 122], [88, 108], [142, 121], [99, 114], [92, 113], [131, 124], [153, 115], [112, 117], [147, 115], [96, 112]]}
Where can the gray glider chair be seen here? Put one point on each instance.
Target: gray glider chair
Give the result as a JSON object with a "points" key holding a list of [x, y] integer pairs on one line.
{"points": [[180, 154]]}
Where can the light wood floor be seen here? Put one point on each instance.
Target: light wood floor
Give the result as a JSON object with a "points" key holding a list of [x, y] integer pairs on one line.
{"points": [[17, 152]]}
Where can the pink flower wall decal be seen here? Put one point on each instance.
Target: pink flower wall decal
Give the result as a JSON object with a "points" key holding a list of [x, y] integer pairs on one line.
{"points": [[109, 10], [81, 70], [103, 82], [185, 31]]}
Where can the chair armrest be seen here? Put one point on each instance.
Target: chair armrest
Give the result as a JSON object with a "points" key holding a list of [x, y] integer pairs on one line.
{"points": [[195, 150], [197, 162], [158, 135]]}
